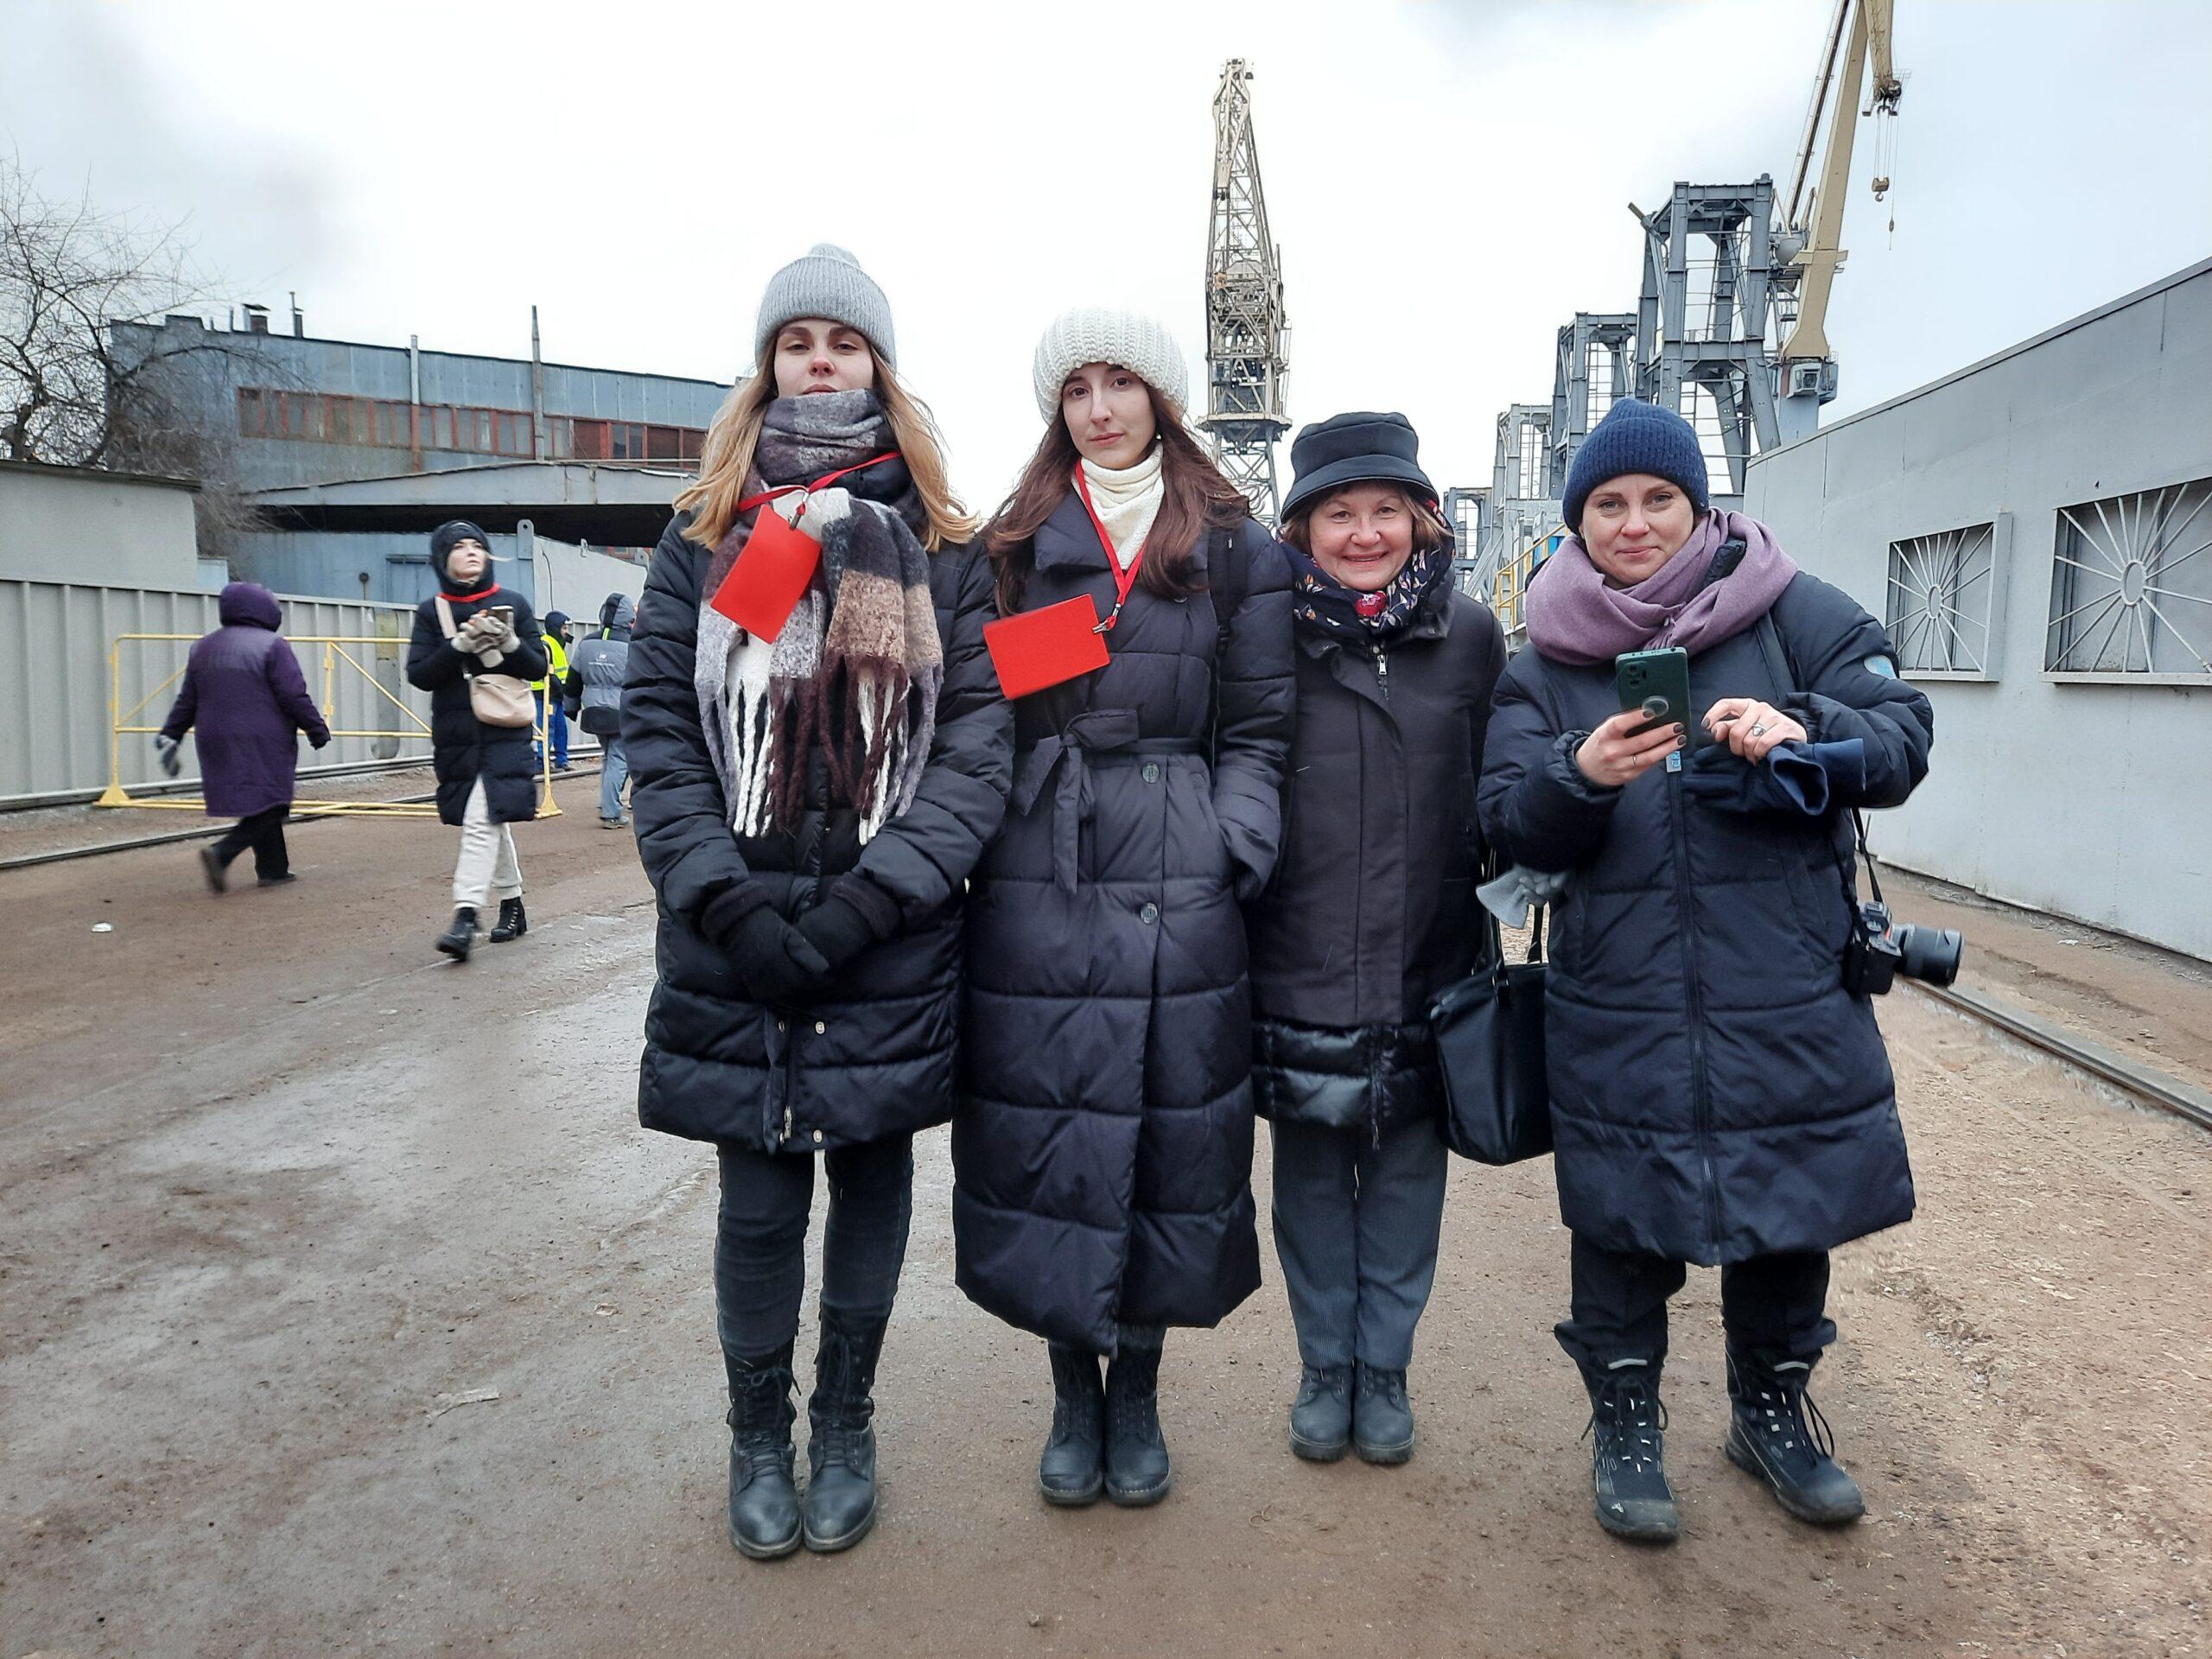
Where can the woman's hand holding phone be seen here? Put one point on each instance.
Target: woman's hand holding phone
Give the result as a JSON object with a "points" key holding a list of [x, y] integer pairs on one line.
{"points": [[1617, 754]]}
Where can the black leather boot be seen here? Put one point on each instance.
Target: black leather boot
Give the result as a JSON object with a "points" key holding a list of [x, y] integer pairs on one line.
{"points": [[763, 1519], [1071, 1472], [1137, 1470], [1628, 1453], [1381, 1417], [457, 940], [1320, 1418], [1776, 1432], [511, 924], [840, 1505]]}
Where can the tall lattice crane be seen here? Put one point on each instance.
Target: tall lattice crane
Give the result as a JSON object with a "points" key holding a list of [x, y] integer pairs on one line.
{"points": [[1248, 337]]}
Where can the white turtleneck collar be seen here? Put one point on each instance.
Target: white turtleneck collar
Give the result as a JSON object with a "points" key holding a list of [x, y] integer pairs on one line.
{"points": [[1127, 501]]}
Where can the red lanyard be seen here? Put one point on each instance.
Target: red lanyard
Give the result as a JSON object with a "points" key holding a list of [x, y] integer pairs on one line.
{"points": [[822, 482], [1124, 581]]}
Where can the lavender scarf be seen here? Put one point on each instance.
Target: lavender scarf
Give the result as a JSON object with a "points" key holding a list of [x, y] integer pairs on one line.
{"points": [[1573, 617]]}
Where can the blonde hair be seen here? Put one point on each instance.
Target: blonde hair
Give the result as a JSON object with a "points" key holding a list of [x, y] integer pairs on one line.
{"points": [[725, 457], [1430, 531]]}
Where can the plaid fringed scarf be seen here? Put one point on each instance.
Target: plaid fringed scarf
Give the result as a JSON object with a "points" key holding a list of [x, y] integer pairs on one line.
{"points": [[857, 669]]}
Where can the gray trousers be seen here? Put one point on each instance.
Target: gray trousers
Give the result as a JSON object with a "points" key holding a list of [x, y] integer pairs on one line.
{"points": [[1355, 1230]]}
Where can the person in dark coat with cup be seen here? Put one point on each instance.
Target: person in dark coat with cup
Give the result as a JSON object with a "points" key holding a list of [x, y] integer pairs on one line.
{"points": [[1718, 1096], [1370, 914], [244, 696]]}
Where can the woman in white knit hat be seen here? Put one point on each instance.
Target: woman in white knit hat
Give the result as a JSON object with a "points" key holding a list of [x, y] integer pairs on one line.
{"points": [[816, 768], [1102, 1143]]}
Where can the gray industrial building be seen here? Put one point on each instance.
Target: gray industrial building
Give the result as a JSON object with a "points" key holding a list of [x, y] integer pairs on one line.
{"points": [[2036, 531]]}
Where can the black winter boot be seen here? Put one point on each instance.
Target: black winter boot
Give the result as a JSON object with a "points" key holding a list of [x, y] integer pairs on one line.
{"points": [[763, 1519], [840, 1505], [1320, 1418], [511, 924], [457, 940], [1381, 1417], [1137, 1471], [1776, 1432], [1628, 1463], [1070, 1473]]}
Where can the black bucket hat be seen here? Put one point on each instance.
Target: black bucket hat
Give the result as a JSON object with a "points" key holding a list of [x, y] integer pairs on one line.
{"points": [[1360, 448]]}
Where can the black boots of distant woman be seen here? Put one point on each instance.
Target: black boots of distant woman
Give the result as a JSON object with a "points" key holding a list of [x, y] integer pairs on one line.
{"points": [[809, 799], [1371, 912], [1718, 1097], [1102, 1149]]}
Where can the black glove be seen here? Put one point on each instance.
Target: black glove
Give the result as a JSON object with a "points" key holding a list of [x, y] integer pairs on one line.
{"points": [[320, 741], [1796, 779], [775, 965], [838, 928]]}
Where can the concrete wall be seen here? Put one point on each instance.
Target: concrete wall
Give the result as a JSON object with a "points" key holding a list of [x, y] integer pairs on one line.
{"points": [[2092, 800], [59, 524]]}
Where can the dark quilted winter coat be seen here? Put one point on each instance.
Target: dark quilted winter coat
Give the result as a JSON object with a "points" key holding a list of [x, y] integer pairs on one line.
{"points": [[871, 1053], [1716, 1093], [245, 697], [462, 748], [1103, 1150], [1372, 909]]}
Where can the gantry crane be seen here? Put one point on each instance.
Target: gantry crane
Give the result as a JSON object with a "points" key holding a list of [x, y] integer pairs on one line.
{"points": [[1248, 336]]}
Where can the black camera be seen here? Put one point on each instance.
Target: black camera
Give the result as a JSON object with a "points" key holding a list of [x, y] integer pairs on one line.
{"points": [[1879, 949]]}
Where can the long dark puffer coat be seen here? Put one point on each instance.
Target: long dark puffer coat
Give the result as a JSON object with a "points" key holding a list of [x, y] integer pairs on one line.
{"points": [[873, 1055], [462, 748], [1716, 1093], [1372, 910], [244, 696], [1103, 1150]]}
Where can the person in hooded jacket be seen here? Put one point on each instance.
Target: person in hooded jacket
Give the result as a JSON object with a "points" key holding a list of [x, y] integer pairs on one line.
{"points": [[1371, 913], [486, 780], [808, 809], [245, 695], [591, 693], [546, 692], [1103, 1150], [1718, 1096]]}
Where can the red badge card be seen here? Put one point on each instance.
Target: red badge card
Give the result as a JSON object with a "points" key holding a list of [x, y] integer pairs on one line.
{"points": [[1048, 646], [770, 577]]}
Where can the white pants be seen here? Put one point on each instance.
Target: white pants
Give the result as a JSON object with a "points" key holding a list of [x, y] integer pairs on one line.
{"points": [[487, 868]]}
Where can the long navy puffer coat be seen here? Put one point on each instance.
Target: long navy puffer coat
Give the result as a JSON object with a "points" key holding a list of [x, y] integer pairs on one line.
{"points": [[1103, 1147], [872, 1054], [1716, 1093], [462, 748]]}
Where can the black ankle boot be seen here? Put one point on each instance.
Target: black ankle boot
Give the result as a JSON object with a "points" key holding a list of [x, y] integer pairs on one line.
{"points": [[1627, 1424], [511, 924], [764, 1520], [1070, 1473], [457, 940], [840, 1505], [1137, 1471], [1776, 1432]]}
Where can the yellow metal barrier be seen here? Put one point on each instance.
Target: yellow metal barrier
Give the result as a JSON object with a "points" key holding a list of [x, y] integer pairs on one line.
{"points": [[1509, 594], [337, 649]]}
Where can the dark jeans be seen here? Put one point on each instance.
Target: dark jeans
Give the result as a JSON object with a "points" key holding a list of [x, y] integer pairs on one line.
{"points": [[1771, 1306], [761, 1240], [264, 833]]}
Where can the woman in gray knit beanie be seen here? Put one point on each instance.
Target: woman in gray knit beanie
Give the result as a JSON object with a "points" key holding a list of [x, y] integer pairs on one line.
{"points": [[819, 755]]}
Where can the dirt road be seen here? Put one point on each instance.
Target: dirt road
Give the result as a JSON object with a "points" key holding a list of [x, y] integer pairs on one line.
{"points": [[261, 1236]]}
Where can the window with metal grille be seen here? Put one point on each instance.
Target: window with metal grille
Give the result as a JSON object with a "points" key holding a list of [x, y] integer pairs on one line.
{"points": [[2131, 587], [1943, 606]]}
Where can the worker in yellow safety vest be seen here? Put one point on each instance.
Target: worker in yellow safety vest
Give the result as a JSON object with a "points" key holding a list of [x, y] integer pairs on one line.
{"points": [[552, 718]]}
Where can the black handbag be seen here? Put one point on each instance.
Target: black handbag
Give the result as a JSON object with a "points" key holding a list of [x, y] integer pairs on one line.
{"points": [[1490, 1043]]}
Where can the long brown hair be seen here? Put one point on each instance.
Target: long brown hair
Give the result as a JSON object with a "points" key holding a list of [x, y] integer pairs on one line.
{"points": [[725, 457], [1195, 497]]}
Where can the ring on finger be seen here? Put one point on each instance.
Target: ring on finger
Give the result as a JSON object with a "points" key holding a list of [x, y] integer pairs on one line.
{"points": [[1759, 730]]}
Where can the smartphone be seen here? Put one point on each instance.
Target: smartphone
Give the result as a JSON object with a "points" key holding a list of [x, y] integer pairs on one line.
{"points": [[505, 613], [1658, 683]]}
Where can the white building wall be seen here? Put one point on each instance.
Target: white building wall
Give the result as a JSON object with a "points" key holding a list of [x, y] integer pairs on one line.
{"points": [[2088, 800], [60, 524]]}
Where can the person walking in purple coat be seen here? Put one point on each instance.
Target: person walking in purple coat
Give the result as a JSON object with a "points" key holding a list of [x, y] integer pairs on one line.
{"points": [[245, 695]]}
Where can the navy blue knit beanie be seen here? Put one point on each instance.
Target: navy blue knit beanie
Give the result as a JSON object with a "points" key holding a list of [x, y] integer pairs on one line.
{"points": [[1635, 437]]}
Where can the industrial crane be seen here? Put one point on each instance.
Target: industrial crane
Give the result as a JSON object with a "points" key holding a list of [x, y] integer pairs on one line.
{"points": [[1248, 336], [1813, 218]]}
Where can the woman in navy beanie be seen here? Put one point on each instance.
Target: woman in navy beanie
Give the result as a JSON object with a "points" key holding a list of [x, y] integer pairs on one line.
{"points": [[1718, 1096]]}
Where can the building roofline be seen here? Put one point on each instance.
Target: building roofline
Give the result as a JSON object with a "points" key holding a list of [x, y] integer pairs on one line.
{"points": [[276, 494], [2149, 290], [103, 474]]}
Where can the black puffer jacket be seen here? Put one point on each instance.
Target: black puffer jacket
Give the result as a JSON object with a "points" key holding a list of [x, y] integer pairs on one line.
{"points": [[1103, 1151], [462, 748], [1372, 910], [873, 1054], [1716, 1093]]}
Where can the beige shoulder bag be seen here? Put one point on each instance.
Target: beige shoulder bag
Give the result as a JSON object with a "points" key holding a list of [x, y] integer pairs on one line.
{"points": [[495, 699]]}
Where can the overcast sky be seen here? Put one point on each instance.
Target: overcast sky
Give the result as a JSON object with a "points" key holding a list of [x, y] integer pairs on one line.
{"points": [[1446, 181]]}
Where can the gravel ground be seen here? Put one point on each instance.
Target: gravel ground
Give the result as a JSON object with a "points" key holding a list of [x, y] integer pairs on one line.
{"points": [[281, 1191]]}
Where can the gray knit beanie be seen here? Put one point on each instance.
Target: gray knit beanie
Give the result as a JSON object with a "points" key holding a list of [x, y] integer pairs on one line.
{"points": [[828, 283], [1099, 333]]}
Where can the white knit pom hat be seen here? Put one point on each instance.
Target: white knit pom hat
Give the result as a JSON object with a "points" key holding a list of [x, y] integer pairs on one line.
{"points": [[1100, 333]]}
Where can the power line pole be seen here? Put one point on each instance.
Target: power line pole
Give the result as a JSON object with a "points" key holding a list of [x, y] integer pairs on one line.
{"points": [[1248, 336]]}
